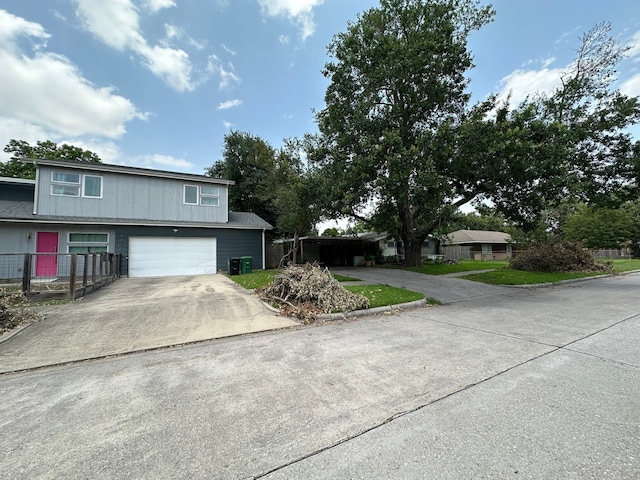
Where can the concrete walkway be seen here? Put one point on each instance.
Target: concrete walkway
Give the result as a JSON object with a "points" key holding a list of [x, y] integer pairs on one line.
{"points": [[134, 314], [445, 288]]}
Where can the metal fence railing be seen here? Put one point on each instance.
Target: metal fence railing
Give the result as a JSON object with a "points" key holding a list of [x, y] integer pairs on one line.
{"points": [[70, 275]]}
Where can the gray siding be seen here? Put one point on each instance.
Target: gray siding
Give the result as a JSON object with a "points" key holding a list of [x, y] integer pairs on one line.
{"points": [[230, 242], [17, 238], [20, 238], [130, 197]]}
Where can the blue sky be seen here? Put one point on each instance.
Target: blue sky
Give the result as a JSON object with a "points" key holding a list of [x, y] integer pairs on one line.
{"points": [[158, 83]]}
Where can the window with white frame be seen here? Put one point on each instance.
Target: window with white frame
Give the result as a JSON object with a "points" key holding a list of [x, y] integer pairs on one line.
{"points": [[88, 242], [201, 195], [210, 196], [71, 184], [65, 184], [92, 186]]}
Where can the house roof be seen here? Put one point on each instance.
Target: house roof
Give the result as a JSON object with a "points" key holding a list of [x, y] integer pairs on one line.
{"points": [[17, 181], [22, 212], [477, 236], [145, 172]]}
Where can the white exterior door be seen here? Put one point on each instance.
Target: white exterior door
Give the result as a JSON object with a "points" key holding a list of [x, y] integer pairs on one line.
{"points": [[163, 257]]}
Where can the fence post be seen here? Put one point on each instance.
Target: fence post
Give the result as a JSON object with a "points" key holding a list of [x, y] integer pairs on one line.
{"points": [[72, 276], [93, 269], [26, 274], [85, 271]]}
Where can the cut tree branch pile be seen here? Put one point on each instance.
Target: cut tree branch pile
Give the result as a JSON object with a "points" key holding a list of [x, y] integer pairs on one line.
{"points": [[305, 291], [13, 312]]}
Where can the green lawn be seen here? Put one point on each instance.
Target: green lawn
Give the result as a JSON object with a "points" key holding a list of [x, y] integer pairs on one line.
{"points": [[259, 278], [520, 277], [383, 295], [626, 265], [255, 279]]}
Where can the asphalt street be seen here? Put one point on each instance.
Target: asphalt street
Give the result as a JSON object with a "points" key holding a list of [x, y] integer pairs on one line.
{"points": [[522, 383]]}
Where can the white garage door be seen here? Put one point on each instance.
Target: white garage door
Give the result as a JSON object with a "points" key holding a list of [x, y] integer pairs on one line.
{"points": [[162, 257]]}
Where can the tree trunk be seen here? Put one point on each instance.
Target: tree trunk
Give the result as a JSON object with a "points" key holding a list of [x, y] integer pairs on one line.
{"points": [[412, 252]]}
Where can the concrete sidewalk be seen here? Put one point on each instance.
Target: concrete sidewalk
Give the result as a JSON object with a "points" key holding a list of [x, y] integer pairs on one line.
{"points": [[134, 314]]}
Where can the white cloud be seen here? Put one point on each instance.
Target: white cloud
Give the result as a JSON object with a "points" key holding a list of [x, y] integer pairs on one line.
{"points": [[631, 87], [227, 125], [173, 32], [634, 47], [283, 39], [227, 73], [229, 104], [158, 161], [157, 5], [523, 83], [171, 64], [46, 93], [116, 24], [228, 50], [299, 12]]}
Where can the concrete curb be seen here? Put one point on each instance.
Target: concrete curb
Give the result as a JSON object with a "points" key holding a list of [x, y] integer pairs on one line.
{"points": [[12, 333], [360, 313], [372, 311]]}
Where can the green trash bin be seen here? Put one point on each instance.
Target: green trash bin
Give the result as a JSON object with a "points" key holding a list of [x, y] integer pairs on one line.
{"points": [[246, 264]]}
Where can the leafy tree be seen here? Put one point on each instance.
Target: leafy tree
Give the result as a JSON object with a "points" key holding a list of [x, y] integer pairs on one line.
{"points": [[22, 150], [601, 227], [249, 161], [484, 219], [274, 184], [399, 140], [331, 232]]}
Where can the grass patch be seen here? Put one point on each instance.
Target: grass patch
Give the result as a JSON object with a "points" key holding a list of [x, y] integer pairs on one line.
{"points": [[625, 265], [383, 295], [463, 266], [255, 279], [521, 277], [260, 278]]}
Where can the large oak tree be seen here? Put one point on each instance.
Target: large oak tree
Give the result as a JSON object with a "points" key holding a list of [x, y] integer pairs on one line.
{"points": [[403, 149]]}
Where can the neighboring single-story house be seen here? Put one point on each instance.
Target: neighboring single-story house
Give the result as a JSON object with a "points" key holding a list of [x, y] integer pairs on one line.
{"points": [[479, 244], [391, 248], [162, 223]]}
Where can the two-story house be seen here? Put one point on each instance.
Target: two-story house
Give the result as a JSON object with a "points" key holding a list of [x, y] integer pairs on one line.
{"points": [[162, 223]]}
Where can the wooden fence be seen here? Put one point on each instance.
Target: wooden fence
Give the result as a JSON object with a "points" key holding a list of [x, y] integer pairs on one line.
{"points": [[69, 275]]}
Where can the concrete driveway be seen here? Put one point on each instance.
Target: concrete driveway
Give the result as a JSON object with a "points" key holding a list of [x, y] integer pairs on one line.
{"points": [[136, 314]]}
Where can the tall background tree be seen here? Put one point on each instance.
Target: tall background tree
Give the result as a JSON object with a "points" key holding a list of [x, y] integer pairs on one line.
{"points": [[21, 150], [273, 184], [403, 150]]}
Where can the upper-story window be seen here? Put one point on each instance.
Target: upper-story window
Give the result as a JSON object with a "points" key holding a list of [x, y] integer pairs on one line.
{"points": [[202, 195], [72, 184]]}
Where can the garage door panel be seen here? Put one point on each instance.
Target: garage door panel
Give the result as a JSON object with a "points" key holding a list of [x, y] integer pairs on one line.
{"points": [[165, 256]]}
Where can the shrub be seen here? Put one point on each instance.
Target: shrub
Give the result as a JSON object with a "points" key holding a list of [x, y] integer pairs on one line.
{"points": [[557, 255]]}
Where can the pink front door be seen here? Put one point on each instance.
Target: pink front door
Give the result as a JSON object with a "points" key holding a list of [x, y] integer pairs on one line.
{"points": [[47, 265]]}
